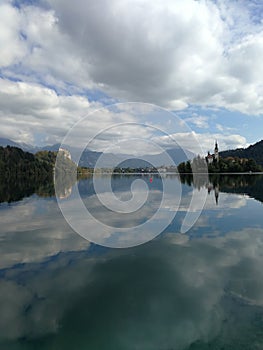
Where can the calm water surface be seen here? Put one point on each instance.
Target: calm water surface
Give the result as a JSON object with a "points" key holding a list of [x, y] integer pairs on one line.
{"points": [[199, 290]]}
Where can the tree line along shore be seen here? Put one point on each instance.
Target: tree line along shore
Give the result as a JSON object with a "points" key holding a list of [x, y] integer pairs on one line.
{"points": [[14, 162]]}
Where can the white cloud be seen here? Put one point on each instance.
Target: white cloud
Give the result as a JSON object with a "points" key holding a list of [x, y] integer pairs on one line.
{"points": [[224, 141], [173, 54], [198, 120], [28, 108], [203, 142], [12, 44]]}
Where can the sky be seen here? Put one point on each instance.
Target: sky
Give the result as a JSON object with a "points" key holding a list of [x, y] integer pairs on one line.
{"points": [[201, 60]]}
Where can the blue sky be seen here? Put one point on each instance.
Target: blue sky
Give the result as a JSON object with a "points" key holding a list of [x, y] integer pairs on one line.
{"points": [[224, 121], [201, 60]]}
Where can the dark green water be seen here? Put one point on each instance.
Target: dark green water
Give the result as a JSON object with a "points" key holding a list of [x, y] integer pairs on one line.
{"points": [[199, 290]]}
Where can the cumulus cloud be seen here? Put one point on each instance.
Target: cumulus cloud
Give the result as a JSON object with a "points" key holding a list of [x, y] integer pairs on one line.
{"points": [[28, 108], [12, 44], [204, 53]]}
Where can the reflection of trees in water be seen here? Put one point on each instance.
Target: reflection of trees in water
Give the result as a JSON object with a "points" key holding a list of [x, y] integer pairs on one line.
{"points": [[198, 181], [252, 185], [16, 188], [249, 184]]}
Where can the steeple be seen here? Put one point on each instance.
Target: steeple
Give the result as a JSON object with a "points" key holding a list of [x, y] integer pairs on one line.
{"points": [[216, 152], [216, 146]]}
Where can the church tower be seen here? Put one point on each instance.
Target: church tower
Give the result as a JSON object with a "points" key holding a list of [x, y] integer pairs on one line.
{"points": [[216, 152]]}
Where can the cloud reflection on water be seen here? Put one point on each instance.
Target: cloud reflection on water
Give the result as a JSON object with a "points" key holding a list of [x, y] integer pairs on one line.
{"points": [[202, 289], [160, 295]]}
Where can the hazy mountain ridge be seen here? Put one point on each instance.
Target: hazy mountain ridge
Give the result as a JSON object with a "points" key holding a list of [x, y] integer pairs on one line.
{"points": [[89, 157], [7, 142]]}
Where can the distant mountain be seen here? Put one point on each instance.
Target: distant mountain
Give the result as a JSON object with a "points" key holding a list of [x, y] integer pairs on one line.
{"points": [[177, 155], [24, 146], [52, 148], [254, 152], [5, 142]]}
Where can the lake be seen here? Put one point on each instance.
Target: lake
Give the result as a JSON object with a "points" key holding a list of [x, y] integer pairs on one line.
{"points": [[202, 289]]}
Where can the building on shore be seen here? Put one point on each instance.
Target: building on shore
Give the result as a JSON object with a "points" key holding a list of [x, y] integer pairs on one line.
{"points": [[211, 158], [65, 153]]}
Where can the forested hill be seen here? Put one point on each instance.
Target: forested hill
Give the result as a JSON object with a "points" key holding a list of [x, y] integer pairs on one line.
{"points": [[15, 162], [252, 152], [23, 173]]}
